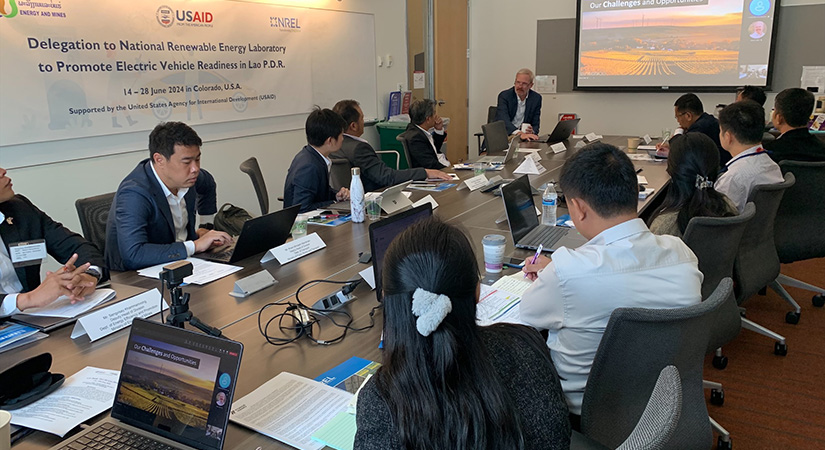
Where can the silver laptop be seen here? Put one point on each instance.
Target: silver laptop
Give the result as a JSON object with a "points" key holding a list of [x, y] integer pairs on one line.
{"points": [[175, 392], [524, 222], [502, 159], [394, 199]]}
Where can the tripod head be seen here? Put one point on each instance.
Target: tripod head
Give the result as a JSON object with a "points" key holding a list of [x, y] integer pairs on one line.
{"points": [[172, 276]]}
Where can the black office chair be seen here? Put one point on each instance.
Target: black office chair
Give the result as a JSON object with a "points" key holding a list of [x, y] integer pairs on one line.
{"points": [[402, 138], [637, 344], [491, 116], [496, 136], [93, 213], [802, 210], [658, 421], [251, 168], [340, 173], [757, 264]]}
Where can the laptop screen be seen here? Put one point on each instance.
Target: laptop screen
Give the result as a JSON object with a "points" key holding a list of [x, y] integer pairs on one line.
{"points": [[384, 231], [519, 206], [177, 383]]}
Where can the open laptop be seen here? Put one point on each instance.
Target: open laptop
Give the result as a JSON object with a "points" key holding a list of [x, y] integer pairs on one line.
{"points": [[502, 159], [394, 199], [175, 388], [524, 222], [562, 131], [383, 232], [258, 235]]}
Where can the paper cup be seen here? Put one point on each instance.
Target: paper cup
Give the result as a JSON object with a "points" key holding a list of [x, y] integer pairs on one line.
{"points": [[5, 427], [525, 127], [633, 143], [493, 252]]}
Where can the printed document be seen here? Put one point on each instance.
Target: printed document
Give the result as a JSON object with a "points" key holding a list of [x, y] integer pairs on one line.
{"points": [[63, 307], [203, 271]]}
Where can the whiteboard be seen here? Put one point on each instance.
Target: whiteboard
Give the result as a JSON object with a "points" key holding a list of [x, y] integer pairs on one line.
{"points": [[342, 66]]}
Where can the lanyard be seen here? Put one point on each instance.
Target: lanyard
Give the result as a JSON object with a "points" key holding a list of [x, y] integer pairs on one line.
{"points": [[758, 151]]}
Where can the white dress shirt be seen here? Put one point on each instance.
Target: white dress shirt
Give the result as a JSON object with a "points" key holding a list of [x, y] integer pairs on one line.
{"points": [[177, 205], [9, 283], [748, 169], [520, 109], [573, 297], [441, 157]]}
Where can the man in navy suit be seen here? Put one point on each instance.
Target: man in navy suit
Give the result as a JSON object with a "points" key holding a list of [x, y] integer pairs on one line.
{"points": [[152, 219], [424, 145], [691, 116], [20, 285], [520, 105], [307, 181]]}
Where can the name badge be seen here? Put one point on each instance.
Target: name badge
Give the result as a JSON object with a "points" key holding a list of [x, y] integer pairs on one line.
{"points": [[27, 253]]}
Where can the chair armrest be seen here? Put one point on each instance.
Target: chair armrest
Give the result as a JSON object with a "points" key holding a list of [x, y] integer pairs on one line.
{"points": [[391, 152]]}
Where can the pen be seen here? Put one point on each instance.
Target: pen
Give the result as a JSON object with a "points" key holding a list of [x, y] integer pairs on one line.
{"points": [[639, 170], [535, 257]]}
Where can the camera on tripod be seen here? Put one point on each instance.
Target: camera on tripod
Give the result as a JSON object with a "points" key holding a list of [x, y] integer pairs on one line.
{"points": [[173, 274]]}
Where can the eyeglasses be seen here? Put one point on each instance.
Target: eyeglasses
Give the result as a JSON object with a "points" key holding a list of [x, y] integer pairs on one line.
{"points": [[521, 83]]}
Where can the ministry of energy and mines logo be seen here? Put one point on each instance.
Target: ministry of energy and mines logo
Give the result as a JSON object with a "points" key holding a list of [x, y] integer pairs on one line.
{"points": [[166, 16], [11, 11]]}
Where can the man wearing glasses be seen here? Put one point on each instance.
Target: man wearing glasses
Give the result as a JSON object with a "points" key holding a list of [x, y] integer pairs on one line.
{"points": [[691, 116], [520, 107]]}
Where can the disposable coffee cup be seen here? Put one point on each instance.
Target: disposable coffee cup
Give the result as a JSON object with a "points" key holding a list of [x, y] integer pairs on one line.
{"points": [[525, 127], [493, 252], [633, 143], [5, 430]]}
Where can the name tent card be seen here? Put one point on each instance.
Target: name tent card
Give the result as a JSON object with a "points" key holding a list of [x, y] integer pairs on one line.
{"points": [[106, 321], [473, 183], [530, 167], [580, 144], [558, 147], [592, 137], [252, 284], [647, 139], [296, 249], [534, 156]]}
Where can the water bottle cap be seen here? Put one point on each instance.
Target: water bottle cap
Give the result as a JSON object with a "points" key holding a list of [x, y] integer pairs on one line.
{"points": [[356, 171]]}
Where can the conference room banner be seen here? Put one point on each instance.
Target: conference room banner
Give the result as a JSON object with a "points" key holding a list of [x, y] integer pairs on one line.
{"points": [[79, 68]]}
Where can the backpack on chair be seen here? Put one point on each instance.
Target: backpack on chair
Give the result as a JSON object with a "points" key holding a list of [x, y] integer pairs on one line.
{"points": [[230, 219]]}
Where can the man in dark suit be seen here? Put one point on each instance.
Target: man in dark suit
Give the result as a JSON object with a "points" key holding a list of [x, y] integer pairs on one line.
{"points": [[520, 105], [152, 219], [374, 173], [307, 181], [424, 146], [21, 287], [691, 116], [792, 110]]}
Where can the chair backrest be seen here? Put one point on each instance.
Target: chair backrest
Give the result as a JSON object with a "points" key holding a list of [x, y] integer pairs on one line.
{"points": [[757, 263], [801, 211], [491, 114], [715, 242], [251, 168], [93, 213], [402, 138], [495, 134], [340, 173], [661, 415], [637, 344]]}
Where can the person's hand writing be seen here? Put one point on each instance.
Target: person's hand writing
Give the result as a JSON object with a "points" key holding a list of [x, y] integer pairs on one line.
{"points": [[437, 174], [342, 195], [212, 238], [531, 271], [663, 146]]}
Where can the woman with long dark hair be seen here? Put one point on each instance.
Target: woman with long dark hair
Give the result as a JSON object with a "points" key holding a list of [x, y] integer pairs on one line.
{"points": [[693, 165], [445, 382]]}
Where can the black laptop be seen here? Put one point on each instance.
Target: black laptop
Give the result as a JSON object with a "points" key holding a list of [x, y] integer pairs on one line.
{"points": [[524, 222], [384, 231], [258, 235], [562, 131], [175, 392]]}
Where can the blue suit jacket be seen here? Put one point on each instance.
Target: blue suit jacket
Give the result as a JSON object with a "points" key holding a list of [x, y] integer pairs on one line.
{"points": [[140, 231], [307, 181], [508, 104]]}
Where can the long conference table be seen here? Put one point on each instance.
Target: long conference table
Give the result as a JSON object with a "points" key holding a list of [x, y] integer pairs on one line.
{"points": [[475, 212]]}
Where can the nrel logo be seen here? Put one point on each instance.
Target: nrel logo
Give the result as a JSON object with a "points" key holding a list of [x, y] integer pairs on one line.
{"points": [[284, 22], [12, 12], [165, 17]]}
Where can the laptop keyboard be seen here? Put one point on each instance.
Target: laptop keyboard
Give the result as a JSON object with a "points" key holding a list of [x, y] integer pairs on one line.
{"points": [[109, 436], [543, 234]]}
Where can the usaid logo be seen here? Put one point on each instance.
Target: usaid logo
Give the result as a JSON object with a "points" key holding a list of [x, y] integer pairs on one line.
{"points": [[165, 16]]}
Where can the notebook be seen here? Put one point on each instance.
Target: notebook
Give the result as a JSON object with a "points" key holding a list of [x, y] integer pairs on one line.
{"points": [[174, 392]]}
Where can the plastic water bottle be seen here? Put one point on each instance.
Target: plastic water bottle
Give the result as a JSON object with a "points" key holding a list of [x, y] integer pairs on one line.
{"points": [[356, 196], [549, 201]]}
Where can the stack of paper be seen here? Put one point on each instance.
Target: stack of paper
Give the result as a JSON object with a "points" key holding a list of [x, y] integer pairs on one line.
{"points": [[500, 302], [203, 271], [11, 333], [63, 307]]}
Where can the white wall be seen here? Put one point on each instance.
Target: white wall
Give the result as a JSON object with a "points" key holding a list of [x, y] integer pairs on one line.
{"points": [[55, 187], [495, 27]]}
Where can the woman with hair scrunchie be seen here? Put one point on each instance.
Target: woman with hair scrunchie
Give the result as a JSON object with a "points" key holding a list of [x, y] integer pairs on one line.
{"points": [[693, 166], [445, 382]]}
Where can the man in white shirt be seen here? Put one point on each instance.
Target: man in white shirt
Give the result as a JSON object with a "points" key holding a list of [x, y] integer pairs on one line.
{"points": [[26, 233], [152, 219], [741, 125], [622, 265], [423, 145]]}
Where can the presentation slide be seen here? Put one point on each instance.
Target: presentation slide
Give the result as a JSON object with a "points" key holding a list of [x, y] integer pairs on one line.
{"points": [[674, 43]]}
